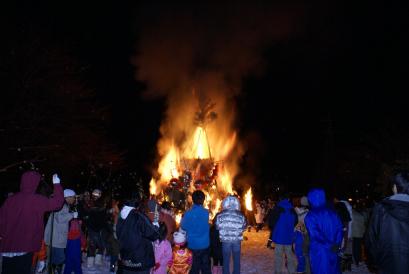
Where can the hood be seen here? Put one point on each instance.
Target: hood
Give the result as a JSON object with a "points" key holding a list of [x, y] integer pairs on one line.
{"points": [[30, 181], [125, 211], [397, 209], [231, 202], [316, 198], [285, 204]]}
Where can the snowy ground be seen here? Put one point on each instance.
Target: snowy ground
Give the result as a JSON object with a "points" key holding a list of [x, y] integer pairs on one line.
{"points": [[256, 257]]}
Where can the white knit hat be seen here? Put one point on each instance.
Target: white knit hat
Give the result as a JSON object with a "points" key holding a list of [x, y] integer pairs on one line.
{"points": [[69, 193], [179, 237]]}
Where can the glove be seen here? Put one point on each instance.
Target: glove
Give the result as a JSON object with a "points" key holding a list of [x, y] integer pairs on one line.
{"points": [[56, 179], [75, 214], [40, 267], [157, 265]]}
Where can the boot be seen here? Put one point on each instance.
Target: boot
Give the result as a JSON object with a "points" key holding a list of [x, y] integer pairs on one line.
{"points": [[98, 259], [90, 262]]}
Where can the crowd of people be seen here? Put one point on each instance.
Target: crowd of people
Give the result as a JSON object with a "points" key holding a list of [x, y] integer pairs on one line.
{"points": [[310, 234]]}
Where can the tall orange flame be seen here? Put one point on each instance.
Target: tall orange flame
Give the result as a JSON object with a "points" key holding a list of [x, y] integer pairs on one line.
{"points": [[248, 197]]}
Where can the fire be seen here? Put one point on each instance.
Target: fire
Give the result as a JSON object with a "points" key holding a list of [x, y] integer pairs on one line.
{"points": [[216, 208], [201, 147], [178, 218], [248, 197], [152, 187]]}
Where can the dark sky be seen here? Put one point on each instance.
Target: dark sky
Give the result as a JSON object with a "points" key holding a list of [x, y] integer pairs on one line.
{"points": [[322, 98]]}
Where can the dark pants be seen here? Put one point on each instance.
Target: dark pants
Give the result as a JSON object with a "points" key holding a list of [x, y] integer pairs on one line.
{"points": [[17, 264], [95, 243], [229, 249], [201, 261], [73, 257], [123, 271], [356, 249]]}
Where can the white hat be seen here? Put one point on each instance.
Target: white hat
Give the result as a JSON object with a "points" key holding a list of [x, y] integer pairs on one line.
{"points": [[97, 192], [179, 237], [69, 193]]}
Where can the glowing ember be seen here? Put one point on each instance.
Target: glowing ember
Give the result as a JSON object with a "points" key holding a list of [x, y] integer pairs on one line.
{"points": [[178, 218], [248, 197], [152, 187]]}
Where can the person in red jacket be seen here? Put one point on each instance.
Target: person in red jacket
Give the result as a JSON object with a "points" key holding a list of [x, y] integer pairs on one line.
{"points": [[21, 222]]}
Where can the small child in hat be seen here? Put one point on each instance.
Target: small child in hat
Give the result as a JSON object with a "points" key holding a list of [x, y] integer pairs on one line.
{"points": [[163, 251], [181, 255]]}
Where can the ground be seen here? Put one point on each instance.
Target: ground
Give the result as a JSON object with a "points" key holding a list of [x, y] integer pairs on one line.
{"points": [[256, 257]]}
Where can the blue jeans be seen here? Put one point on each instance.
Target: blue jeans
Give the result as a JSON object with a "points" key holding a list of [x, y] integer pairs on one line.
{"points": [[201, 261], [230, 248]]}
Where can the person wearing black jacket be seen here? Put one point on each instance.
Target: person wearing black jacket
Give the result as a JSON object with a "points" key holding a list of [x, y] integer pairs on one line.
{"points": [[388, 232], [135, 235]]}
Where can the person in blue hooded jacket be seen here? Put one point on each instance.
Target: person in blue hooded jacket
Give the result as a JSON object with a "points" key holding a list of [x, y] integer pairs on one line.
{"points": [[196, 224], [282, 223], [325, 230]]}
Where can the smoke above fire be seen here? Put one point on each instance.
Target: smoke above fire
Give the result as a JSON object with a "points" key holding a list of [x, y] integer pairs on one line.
{"points": [[196, 55]]}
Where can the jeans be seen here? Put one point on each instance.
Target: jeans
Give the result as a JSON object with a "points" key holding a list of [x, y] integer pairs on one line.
{"points": [[281, 253], [18, 264], [229, 249], [356, 250], [57, 255], [201, 261]]}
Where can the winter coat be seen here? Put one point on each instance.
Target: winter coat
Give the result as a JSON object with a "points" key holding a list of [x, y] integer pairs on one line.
{"points": [[181, 261], [60, 228], [358, 224], [259, 214], [135, 235], [283, 230], [22, 215], [231, 222], [163, 256], [196, 224], [301, 213], [349, 208], [325, 234], [388, 235]]}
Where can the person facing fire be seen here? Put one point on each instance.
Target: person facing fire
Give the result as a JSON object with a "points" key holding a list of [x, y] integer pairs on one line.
{"points": [[196, 224], [136, 235], [231, 223]]}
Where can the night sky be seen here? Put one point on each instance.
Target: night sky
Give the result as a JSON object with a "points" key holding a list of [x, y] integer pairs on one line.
{"points": [[326, 106]]}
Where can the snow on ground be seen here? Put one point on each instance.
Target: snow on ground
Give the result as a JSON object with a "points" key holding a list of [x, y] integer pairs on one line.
{"points": [[256, 258]]}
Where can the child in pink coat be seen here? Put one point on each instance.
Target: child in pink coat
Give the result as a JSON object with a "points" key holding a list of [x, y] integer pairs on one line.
{"points": [[163, 251]]}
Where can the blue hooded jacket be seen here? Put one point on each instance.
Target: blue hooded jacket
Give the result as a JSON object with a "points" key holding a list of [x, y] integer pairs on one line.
{"points": [[325, 231], [283, 232], [196, 224]]}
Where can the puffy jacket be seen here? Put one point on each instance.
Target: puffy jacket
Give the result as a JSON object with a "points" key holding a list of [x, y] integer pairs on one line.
{"points": [[388, 236], [196, 224], [325, 234], [22, 215], [231, 222], [135, 235], [60, 227], [283, 230]]}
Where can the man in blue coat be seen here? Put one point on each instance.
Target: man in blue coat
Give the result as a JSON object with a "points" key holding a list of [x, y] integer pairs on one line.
{"points": [[196, 224], [282, 223], [325, 230]]}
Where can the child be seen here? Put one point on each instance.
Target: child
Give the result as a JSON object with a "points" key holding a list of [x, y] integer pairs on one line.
{"points": [[163, 251], [182, 257]]}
